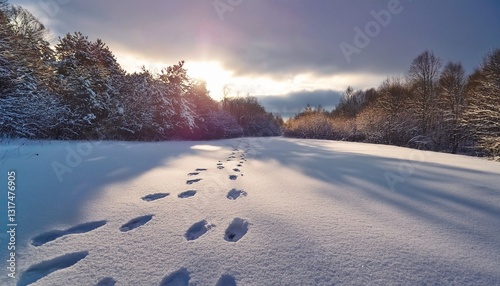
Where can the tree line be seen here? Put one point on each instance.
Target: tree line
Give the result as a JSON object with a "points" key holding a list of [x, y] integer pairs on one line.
{"points": [[435, 106], [77, 90]]}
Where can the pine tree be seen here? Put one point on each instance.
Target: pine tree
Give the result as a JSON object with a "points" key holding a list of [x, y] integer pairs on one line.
{"points": [[28, 108], [482, 115], [88, 76]]}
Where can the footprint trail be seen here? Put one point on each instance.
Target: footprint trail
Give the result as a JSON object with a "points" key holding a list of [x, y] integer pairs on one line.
{"points": [[108, 281], [187, 194], [40, 270], [197, 230], [154, 197], [236, 230], [235, 194], [135, 223], [55, 234], [226, 280], [180, 277], [190, 182]]}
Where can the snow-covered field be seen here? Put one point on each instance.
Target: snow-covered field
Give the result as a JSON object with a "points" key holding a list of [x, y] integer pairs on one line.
{"points": [[248, 212]]}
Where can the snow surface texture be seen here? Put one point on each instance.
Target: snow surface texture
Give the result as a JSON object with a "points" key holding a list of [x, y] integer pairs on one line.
{"points": [[295, 212]]}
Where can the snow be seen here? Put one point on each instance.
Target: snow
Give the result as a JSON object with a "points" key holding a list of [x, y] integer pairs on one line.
{"points": [[297, 212]]}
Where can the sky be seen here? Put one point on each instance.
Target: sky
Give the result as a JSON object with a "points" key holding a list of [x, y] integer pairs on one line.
{"points": [[286, 52]]}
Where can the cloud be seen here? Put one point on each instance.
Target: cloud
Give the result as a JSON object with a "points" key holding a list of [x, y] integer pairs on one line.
{"points": [[281, 38], [286, 52], [290, 104]]}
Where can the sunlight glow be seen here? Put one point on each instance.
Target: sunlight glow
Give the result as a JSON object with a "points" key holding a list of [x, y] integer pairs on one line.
{"points": [[212, 73], [206, 147], [217, 77]]}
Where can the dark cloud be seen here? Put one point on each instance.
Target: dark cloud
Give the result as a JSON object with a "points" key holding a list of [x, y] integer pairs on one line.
{"points": [[292, 103], [283, 37]]}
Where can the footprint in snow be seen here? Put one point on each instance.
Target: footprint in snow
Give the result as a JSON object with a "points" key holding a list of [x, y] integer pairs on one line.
{"points": [[180, 277], [135, 223], [236, 170], [154, 197], [233, 177], [236, 230], [235, 194], [190, 182], [220, 167], [239, 165], [42, 269], [193, 174], [198, 229], [55, 234], [108, 281], [187, 194], [201, 170], [226, 280]]}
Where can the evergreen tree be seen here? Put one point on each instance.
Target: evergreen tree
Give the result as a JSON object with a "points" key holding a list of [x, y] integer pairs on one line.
{"points": [[482, 116], [88, 75], [28, 108]]}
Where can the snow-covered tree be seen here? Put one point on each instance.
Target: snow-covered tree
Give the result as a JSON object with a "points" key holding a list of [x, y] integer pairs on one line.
{"points": [[423, 78], [27, 106], [252, 116], [482, 115], [157, 107], [451, 88], [312, 124], [398, 125], [221, 124], [88, 75], [350, 104], [79, 91], [202, 107], [177, 85]]}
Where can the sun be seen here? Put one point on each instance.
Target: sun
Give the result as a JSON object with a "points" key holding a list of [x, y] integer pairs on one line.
{"points": [[213, 73]]}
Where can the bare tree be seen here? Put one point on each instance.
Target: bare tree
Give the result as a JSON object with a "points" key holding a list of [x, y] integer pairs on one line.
{"points": [[393, 102], [25, 24], [452, 83], [423, 77], [226, 90], [350, 104]]}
